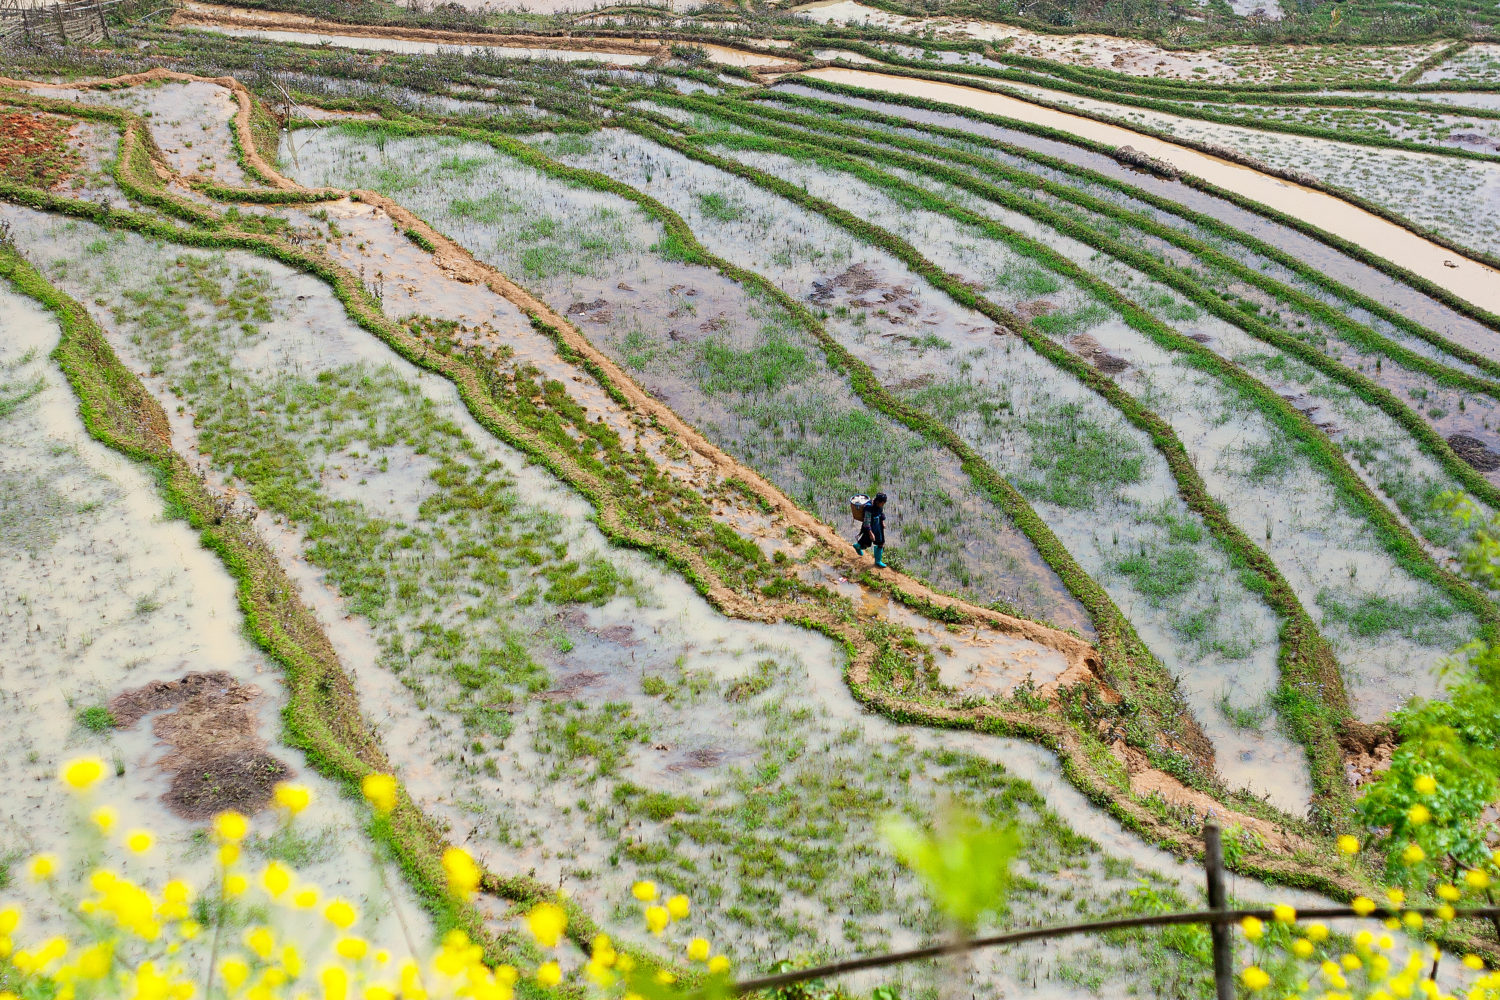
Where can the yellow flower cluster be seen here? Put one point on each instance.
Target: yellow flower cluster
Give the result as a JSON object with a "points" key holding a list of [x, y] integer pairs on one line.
{"points": [[1302, 961], [224, 942]]}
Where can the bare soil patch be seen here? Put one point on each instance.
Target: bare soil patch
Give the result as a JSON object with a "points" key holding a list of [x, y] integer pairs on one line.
{"points": [[34, 149], [217, 758], [1475, 452]]}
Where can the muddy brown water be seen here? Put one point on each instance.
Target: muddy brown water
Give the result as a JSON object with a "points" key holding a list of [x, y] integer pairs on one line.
{"points": [[1336, 265]]}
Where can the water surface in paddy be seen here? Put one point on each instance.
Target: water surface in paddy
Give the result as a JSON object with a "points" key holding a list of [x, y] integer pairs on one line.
{"points": [[657, 712], [1353, 273], [686, 333], [415, 46], [101, 593], [1471, 280]]}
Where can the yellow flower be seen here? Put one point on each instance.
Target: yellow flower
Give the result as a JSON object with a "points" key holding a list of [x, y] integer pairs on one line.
{"points": [[1412, 920], [547, 921], [1448, 893], [718, 965], [1253, 928], [1255, 978], [548, 975], [10, 919], [1473, 962], [82, 773], [277, 879], [235, 885], [230, 827], [1284, 914], [380, 792], [1418, 815], [664, 977], [1363, 905], [1477, 878], [341, 914], [335, 983], [291, 798], [644, 891], [1396, 896], [234, 971], [105, 819], [463, 873], [139, 841], [1425, 784], [305, 899], [697, 950], [1350, 962], [42, 867], [261, 941], [1445, 911], [352, 948], [678, 907], [657, 919], [228, 854], [1413, 854], [1302, 948], [1348, 844]]}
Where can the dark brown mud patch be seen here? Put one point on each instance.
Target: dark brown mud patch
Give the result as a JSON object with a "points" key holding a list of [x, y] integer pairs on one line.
{"points": [[217, 759], [1094, 353], [698, 759], [855, 280], [1475, 452]]}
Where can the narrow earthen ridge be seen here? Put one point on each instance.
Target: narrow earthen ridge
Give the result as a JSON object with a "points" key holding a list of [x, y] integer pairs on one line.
{"points": [[465, 267], [212, 15]]}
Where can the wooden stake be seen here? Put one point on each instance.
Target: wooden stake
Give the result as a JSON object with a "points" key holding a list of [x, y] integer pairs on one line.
{"points": [[1213, 865]]}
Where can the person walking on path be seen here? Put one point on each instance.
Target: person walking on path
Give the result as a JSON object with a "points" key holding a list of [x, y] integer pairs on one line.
{"points": [[872, 530]]}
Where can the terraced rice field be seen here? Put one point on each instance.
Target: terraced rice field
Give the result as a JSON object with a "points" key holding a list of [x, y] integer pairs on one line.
{"points": [[483, 408]]}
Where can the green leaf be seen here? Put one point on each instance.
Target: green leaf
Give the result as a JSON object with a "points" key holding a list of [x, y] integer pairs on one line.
{"points": [[964, 863]]}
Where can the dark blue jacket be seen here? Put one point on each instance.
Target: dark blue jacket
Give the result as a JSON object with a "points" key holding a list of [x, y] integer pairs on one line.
{"points": [[874, 524]]}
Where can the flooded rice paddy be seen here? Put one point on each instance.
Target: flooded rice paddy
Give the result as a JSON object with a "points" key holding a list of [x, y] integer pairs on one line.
{"points": [[1474, 281], [576, 710]]}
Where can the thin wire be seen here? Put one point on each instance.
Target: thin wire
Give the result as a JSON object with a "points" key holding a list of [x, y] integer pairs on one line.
{"points": [[1063, 930]]}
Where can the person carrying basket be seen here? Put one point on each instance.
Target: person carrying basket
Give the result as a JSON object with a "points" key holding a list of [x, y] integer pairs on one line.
{"points": [[870, 515]]}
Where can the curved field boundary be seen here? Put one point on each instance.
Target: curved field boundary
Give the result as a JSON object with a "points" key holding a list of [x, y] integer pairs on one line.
{"points": [[1306, 662], [1398, 540], [1047, 73], [1120, 31], [1365, 388], [1122, 646], [603, 42], [1346, 247], [1129, 96], [1431, 236], [1080, 757], [853, 115], [322, 716]]}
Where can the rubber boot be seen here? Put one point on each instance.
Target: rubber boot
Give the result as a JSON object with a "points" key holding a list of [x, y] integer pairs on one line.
{"points": [[879, 551], [859, 548]]}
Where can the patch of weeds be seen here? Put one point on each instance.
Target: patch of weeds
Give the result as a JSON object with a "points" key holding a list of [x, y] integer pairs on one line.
{"points": [[1430, 619], [96, 719], [770, 365], [720, 207], [1076, 462]]}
